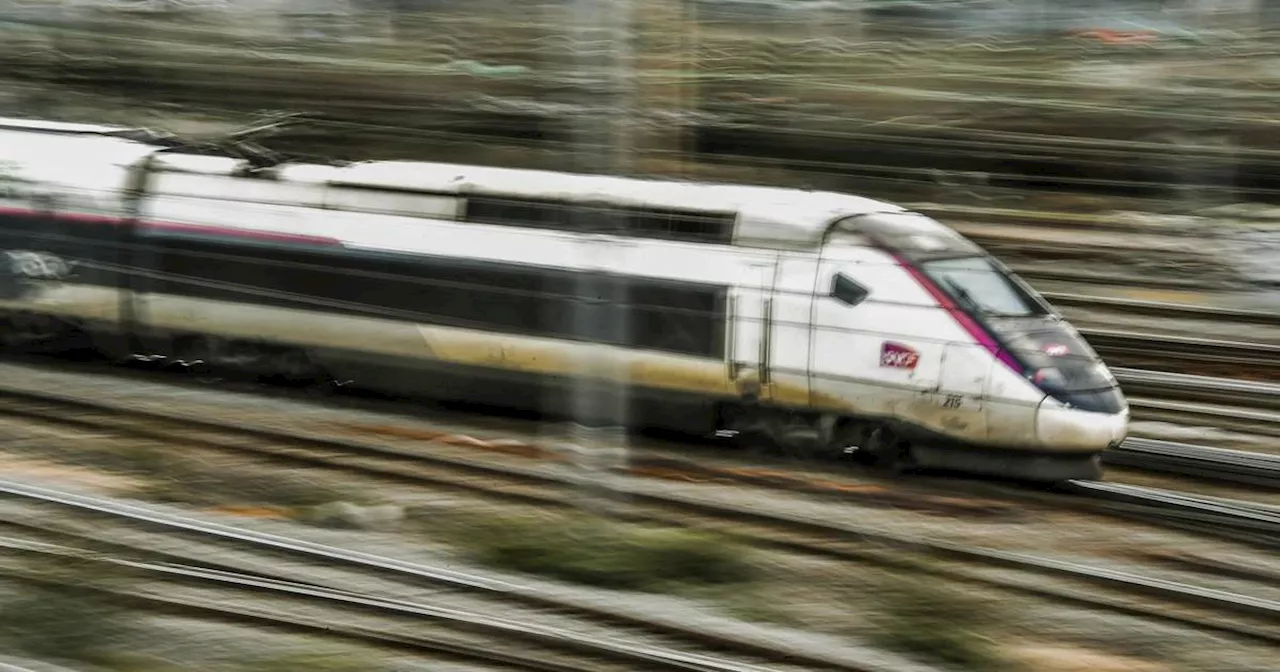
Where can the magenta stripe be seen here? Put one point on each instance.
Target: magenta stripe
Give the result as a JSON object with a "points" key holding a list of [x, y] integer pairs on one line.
{"points": [[273, 236], [966, 321], [224, 231]]}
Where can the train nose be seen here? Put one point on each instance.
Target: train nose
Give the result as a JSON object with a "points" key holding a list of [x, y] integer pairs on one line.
{"points": [[1065, 428]]}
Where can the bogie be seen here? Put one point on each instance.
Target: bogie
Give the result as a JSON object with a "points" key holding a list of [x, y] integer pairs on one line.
{"points": [[209, 356], [887, 450], [29, 331]]}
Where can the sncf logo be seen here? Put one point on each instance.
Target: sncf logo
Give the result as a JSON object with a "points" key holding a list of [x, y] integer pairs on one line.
{"points": [[898, 356]]}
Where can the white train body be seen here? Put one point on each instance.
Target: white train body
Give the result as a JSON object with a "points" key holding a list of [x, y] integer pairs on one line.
{"points": [[857, 319]]}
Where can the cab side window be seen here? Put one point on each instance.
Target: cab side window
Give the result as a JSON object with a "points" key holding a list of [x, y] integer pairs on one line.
{"points": [[846, 291]]}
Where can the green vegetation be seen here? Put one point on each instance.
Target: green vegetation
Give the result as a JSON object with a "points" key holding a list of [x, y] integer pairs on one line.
{"points": [[134, 661], [310, 662], [61, 624], [931, 619], [177, 477], [54, 613], [189, 482], [63, 619], [609, 555], [168, 474], [753, 606]]}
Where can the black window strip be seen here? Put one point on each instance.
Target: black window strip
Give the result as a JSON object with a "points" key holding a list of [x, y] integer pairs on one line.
{"points": [[670, 316], [665, 224], [684, 318]]}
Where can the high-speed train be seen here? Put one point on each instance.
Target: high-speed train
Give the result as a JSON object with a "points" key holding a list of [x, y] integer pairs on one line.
{"points": [[817, 321]]}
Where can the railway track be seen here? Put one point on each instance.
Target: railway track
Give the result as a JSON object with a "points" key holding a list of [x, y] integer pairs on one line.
{"points": [[1183, 459], [1153, 395], [1033, 272], [262, 599], [1220, 611], [1165, 309], [1164, 351], [384, 460], [1190, 388], [1244, 406], [1239, 521], [1148, 350], [1235, 418]]}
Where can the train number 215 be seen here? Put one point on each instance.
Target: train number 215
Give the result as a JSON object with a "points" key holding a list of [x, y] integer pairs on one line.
{"points": [[952, 401]]}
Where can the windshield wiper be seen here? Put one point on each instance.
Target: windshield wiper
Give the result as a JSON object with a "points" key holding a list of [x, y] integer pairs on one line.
{"points": [[964, 296]]}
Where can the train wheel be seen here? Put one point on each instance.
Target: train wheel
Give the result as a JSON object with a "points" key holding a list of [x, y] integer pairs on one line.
{"points": [[295, 367], [849, 440], [757, 444], [887, 450], [198, 353], [27, 330]]}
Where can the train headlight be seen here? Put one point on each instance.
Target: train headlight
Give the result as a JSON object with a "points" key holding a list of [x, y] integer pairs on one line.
{"points": [[1049, 378]]}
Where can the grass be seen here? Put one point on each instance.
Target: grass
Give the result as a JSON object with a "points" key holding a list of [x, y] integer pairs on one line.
{"points": [[61, 624], [62, 619], [175, 477], [55, 615], [753, 606], [182, 479], [193, 484], [930, 619], [309, 662], [608, 555]]}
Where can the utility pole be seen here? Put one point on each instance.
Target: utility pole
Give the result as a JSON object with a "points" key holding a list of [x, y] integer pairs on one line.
{"points": [[602, 38]]}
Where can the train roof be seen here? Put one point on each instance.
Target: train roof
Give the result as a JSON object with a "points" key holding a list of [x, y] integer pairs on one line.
{"points": [[743, 215], [912, 234], [90, 161], [41, 125], [750, 216], [759, 216]]}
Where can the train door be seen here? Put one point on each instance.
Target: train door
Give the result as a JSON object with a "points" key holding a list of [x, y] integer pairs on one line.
{"points": [[959, 399], [749, 307], [139, 257], [789, 331]]}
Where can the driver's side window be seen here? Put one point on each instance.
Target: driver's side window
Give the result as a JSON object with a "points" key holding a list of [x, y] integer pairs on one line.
{"points": [[846, 291]]}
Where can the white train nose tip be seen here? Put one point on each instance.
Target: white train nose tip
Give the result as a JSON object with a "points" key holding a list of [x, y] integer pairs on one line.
{"points": [[1064, 428]]}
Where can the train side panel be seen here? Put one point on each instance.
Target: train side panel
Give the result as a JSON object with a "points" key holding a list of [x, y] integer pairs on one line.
{"points": [[64, 246], [451, 309], [881, 351]]}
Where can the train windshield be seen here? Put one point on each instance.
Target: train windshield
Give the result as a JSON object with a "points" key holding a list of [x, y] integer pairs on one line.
{"points": [[981, 287], [1061, 364]]}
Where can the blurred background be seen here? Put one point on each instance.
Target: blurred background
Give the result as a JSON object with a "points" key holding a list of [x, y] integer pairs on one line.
{"points": [[1134, 115]]}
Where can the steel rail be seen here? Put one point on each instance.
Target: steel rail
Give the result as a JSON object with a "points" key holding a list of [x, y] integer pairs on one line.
{"points": [[1263, 516], [415, 467], [1032, 272], [507, 591], [1241, 521], [1168, 385], [1147, 346], [650, 656], [418, 641], [1266, 610], [10, 667], [391, 462], [1190, 514], [1184, 459], [1258, 422], [1165, 308]]}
